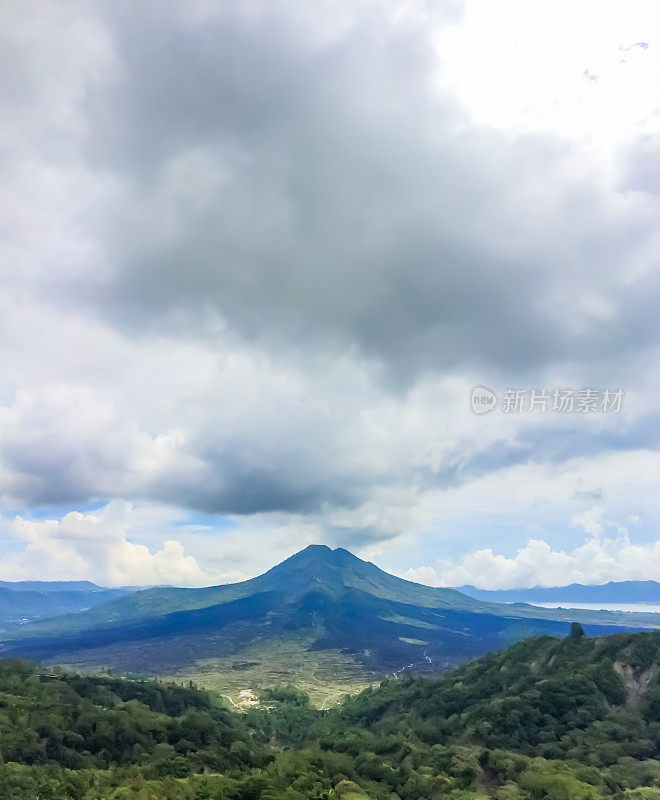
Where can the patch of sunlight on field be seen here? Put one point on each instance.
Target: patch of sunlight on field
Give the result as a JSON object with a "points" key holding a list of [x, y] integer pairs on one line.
{"points": [[326, 675]]}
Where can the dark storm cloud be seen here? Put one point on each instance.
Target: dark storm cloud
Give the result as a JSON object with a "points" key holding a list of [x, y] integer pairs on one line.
{"points": [[243, 480], [317, 191]]}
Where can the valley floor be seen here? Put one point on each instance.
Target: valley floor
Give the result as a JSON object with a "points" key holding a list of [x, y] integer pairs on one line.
{"points": [[325, 675]]}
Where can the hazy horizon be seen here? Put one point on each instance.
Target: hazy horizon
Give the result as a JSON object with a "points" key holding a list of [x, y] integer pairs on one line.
{"points": [[622, 606]]}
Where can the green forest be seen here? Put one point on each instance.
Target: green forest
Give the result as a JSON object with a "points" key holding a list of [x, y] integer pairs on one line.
{"points": [[548, 718]]}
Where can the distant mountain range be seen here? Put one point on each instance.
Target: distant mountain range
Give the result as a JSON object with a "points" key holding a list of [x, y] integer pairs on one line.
{"points": [[609, 593], [24, 601], [52, 586], [328, 601]]}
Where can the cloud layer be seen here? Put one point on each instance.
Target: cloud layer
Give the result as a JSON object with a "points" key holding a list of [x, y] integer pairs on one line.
{"points": [[597, 560], [95, 546], [256, 256]]}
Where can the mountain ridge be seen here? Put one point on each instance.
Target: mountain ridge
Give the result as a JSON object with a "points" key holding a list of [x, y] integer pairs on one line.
{"points": [[337, 566], [329, 601], [315, 563], [52, 586], [22, 605], [610, 592]]}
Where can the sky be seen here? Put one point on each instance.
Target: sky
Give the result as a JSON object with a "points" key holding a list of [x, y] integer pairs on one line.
{"points": [[256, 256]]}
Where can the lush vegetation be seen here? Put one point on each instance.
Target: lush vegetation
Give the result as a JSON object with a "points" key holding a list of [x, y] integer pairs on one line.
{"points": [[547, 719]]}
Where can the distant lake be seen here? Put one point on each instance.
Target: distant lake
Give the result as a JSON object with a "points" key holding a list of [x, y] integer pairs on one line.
{"points": [[644, 608]]}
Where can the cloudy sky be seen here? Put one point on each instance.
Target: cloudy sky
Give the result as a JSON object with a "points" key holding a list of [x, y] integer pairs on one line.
{"points": [[256, 255]]}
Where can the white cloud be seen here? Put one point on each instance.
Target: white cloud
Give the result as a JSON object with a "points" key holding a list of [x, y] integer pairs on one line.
{"points": [[590, 520], [95, 546], [597, 560], [576, 70]]}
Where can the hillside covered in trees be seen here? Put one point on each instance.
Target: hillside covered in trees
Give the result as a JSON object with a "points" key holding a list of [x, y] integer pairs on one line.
{"points": [[546, 719]]}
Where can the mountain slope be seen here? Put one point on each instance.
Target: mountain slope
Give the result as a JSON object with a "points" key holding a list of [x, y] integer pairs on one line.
{"points": [[384, 635], [534, 697], [327, 600], [317, 565], [547, 719]]}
